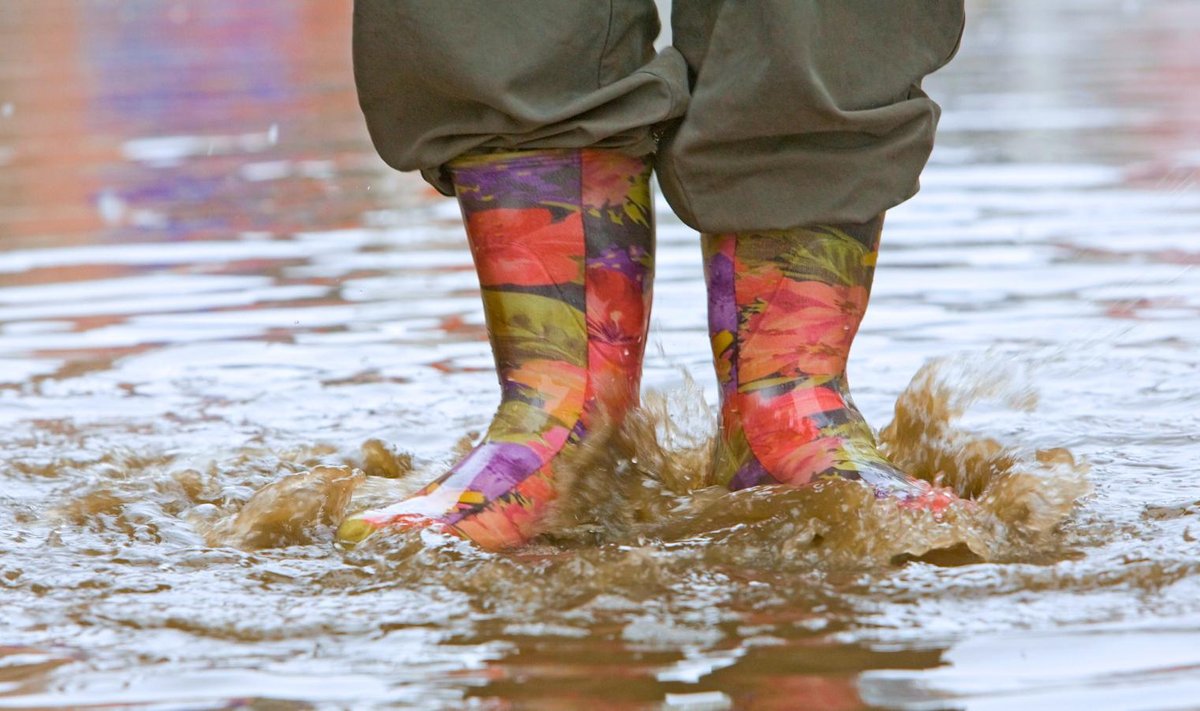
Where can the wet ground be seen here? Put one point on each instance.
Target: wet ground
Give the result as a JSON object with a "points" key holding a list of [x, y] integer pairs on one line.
{"points": [[208, 282]]}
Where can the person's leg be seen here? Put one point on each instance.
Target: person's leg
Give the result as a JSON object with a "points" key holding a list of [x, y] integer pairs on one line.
{"points": [[803, 112], [560, 223], [439, 79], [563, 243], [794, 146]]}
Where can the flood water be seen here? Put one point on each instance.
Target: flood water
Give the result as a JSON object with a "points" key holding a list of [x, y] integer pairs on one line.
{"points": [[217, 304]]}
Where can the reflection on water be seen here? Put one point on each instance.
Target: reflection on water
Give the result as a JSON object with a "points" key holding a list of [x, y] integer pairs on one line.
{"points": [[212, 294]]}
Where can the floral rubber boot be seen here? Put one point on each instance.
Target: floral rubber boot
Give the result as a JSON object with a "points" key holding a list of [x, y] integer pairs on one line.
{"points": [[563, 241], [783, 309]]}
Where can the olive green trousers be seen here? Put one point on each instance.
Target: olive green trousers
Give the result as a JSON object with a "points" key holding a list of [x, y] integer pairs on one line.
{"points": [[764, 114]]}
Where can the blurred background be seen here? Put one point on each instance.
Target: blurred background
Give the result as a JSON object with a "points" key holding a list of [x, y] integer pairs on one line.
{"points": [[205, 267]]}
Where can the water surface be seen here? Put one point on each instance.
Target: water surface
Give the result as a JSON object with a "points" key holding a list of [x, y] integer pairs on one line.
{"points": [[211, 287]]}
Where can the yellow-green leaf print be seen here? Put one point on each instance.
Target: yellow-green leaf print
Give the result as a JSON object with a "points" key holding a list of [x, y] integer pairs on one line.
{"points": [[533, 326]]}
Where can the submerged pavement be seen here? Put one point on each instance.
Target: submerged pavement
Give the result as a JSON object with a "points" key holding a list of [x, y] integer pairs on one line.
{"points": [[209, 281]]}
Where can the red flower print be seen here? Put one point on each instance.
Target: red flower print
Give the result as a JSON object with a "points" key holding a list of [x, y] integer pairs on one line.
{"points": [[792, 407], [560, 385], [608, 178], [525, 247], [784, 436], [613, 372], [803, 328], [796, 463], [616, 310]]}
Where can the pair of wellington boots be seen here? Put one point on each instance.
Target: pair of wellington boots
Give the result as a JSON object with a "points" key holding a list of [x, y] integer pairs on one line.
{"points": [[563, 241]]}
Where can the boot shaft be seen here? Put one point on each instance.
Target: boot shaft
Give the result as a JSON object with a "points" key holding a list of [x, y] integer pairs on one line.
{"points": [[563, 242], [784, 307]]}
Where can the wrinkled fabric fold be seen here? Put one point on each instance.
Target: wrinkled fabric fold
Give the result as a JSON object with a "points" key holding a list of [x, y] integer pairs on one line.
{"points": [[437, 80], [765, 115]]}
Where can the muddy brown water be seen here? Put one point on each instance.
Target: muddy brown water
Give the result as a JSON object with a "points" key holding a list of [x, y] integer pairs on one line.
{"points": [[223, 322]]}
